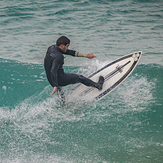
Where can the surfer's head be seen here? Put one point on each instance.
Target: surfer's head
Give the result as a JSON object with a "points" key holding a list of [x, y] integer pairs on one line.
{"points": [[62, 40], [63, 43]]}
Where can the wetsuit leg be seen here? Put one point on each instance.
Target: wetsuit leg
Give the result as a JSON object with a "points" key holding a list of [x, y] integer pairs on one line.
{"points": [[70, 78], [87, 82], [61, 95]]}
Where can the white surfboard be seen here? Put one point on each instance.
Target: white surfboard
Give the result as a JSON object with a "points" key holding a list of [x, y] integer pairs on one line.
{"points": [[114, 74]]}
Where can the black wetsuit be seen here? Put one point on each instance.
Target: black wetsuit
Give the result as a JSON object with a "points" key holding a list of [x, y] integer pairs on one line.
{"points": [[56, 76]]}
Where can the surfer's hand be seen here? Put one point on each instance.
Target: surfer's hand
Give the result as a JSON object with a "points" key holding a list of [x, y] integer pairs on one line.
{"points": [[90, 55], [54, 90]]}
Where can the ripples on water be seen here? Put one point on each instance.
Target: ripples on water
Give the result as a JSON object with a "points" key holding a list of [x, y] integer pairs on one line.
{"points": [[106, 28]]}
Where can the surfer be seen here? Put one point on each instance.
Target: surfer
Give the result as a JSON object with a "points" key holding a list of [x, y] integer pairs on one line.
{"points": [[53, 64]]}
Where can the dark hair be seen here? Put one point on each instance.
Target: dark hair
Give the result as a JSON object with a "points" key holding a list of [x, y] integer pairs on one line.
{"points": [[62, 40]]}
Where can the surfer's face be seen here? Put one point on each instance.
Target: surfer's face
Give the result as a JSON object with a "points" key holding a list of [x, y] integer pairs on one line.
{"points": [[64, 47]]}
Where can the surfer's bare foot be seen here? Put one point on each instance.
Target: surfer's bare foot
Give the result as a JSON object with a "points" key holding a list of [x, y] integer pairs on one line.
{"points": [[100, 82]]}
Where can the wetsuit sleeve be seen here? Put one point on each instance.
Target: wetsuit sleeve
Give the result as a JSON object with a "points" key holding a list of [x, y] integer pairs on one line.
{"points": [[54, 69], [70, 52], [75, 53], [79, 54]]}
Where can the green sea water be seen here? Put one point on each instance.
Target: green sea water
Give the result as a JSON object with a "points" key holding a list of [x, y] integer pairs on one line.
{"points": [[125, 126]]}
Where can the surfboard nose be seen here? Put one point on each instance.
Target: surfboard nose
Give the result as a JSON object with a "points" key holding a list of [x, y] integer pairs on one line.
{"points": [[136, 56]]}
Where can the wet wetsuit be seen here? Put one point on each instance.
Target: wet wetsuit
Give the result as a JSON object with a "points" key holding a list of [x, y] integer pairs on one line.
{"points": [[56, 76]]}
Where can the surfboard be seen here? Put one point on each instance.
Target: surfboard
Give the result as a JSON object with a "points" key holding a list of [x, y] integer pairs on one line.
{"points": [[114, 74]]}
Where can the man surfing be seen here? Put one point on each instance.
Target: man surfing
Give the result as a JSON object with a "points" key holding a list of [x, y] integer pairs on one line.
{"points": [[53, 64]]}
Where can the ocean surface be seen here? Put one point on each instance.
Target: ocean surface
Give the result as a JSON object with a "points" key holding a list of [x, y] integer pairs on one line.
{"points": [[124, 127]]}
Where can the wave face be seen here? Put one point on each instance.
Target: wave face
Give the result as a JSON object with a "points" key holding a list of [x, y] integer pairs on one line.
{"points": [[125, 125]]}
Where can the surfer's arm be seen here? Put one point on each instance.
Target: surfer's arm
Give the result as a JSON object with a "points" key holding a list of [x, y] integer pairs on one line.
{"points": [[54, 69], [79, 54], [54, 90], [89, 55]]}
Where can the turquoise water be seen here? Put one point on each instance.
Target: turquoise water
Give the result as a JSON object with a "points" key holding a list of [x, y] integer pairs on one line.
{"points": [[125, 126]]}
